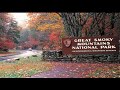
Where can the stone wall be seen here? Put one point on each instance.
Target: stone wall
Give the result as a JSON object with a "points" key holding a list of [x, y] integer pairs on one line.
{"points": [[58, 55]]}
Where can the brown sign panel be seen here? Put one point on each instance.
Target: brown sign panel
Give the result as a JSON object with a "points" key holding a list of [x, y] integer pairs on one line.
{"points": [[90, 45]]}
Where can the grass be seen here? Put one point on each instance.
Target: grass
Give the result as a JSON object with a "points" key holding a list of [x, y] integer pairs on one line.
{"points": [[106, 72], [23, 68]]}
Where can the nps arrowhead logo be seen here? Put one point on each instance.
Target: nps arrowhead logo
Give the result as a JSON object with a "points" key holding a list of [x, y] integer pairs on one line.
{"points": [[67, 42]]}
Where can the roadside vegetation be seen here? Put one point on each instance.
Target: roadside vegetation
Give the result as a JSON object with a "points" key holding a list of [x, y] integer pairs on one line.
{"points": [[23, 68]]}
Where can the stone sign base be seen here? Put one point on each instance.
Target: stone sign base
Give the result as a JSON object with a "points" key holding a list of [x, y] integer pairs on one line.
{"points": [[53, 55]]}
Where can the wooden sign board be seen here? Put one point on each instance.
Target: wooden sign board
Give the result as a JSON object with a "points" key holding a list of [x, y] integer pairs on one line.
{"points": [[90, 45]]}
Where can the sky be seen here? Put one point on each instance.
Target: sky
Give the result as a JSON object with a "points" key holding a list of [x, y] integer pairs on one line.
{"points": [[21, 18]]}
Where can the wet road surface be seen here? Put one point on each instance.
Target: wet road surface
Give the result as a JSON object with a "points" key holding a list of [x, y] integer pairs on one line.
{"points": [[21, 54]]}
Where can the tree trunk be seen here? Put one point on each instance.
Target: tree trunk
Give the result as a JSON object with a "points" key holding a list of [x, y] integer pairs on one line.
{"points": [[73, 24]]}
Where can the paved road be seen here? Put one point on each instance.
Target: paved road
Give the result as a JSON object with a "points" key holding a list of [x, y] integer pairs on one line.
{"points": [[21, 53]]}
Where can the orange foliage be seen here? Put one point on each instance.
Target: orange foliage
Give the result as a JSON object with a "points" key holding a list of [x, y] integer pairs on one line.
{"points": [[45, 21], [49, 22]]}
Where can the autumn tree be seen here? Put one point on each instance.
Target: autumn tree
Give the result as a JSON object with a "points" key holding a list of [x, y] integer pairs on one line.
{"points": [[32, 38], [102, 24], [14, 31], [90, 24], [9, 32], [51, 23], [74, 23], [45, 21]]}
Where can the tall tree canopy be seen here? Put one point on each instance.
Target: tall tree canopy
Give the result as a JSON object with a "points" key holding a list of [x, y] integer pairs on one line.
{"points": [[45, 21], [90, 24], [9, 31], [51, 23]]}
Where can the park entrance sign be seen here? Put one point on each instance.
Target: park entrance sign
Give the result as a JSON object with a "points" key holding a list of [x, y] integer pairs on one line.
{"points": [[90, 45]]}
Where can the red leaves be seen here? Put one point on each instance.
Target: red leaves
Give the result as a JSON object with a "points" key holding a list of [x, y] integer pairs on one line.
{"points": [[33, 41], [7, 43], [82, 70], [54, 39], [30, 43], [54, 36]]}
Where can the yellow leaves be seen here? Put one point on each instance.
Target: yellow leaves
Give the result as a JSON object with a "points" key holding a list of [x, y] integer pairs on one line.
{"points": [[49, 27], [45, 21], [56, 26], [43, 27]]}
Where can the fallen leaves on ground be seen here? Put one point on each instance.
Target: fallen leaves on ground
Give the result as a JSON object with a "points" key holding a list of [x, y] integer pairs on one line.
{"points": [[83, 70], [45, 69]]}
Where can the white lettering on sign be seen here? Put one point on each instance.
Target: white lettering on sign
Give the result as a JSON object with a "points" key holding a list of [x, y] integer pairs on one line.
{"points": [[84, 47], [82, 40], [107, 47], [103, 39]]}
